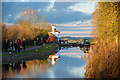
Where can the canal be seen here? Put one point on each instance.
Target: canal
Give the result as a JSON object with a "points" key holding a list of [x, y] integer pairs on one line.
{"points": [[65, 62]]}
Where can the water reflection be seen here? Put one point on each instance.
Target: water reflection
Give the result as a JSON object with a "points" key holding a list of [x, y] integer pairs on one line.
{"points": [[54, 57], [64, 62], [24, 64], [85, 49], [24, 69]]}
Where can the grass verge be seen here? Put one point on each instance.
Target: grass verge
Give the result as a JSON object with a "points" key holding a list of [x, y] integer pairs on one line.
{"points": [[38, 50]]}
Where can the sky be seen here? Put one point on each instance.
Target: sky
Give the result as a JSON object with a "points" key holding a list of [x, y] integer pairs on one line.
{"points": [[71, 18]]}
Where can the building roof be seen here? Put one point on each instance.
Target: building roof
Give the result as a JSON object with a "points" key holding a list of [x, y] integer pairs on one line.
{"points": [[53, 25], [55, 30], [50, 34]]}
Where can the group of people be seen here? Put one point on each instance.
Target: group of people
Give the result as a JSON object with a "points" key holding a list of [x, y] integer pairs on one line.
{"points": [[40, 42], [15, 45]]}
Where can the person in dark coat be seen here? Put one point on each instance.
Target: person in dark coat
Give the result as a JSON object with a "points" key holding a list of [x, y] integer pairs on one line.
{"points": [[42, 41], [19, 44], [15, 45], [37, 41], [7, 44], [24, 43]]}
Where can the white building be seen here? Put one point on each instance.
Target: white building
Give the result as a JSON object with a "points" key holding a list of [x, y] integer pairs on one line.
{"points": [[55, 32]]}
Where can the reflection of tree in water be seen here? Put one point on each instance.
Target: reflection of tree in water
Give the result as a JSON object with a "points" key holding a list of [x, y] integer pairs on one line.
{"points": [[65, 47], [5, 70], [27, 68], [85, 49], [41, 66], [10, 69]]}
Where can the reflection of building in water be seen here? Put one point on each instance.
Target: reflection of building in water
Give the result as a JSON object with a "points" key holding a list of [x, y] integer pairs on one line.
{"points": [[66, 48], [54, 57]]}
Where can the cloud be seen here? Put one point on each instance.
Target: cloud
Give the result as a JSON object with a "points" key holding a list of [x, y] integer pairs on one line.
{"points": [[63, 16], [75, 29], [59, 0], [75, 32], [56, 14], [9, 15], [22, 0], [38, 10], [42, 0], [50, 7], [76, 35], [71, 25], [81, 22], [78, 71], [15, 0], [51, 74], [79, 28], [86, 7], [76, 23], [74, 55], [15, 18]]}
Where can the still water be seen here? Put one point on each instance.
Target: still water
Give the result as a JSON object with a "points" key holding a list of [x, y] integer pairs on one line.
{"points": [[63, 63]]}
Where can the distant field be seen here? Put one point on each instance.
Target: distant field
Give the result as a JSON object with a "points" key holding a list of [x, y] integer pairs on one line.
{"points": [[76, 38]]}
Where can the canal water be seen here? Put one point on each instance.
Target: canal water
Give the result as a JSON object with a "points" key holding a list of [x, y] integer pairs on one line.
{"points": [[65, 62]]}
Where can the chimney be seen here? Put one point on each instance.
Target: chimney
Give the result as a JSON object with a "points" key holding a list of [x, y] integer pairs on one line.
{"points": [[53, 29]]}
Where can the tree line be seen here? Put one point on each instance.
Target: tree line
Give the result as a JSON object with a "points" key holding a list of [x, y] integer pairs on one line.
{"points": [[28, 26]]}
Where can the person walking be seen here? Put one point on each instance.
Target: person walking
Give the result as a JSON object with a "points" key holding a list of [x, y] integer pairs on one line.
{"points": [[19, 44], [11, 48], [15, 45], [7, 44], [42, 42], [37, 41], [24, 43]]}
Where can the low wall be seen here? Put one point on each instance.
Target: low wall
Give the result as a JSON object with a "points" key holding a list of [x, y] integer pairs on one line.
{"points": [[24, 57]]}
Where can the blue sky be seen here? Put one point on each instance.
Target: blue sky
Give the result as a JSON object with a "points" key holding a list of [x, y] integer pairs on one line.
{"points": [[71, 18]]}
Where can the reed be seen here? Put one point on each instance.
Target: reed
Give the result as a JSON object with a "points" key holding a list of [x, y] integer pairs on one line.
{"points": [[102, 62]]}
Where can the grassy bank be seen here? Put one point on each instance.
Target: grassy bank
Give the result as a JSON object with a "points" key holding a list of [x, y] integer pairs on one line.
{"points": [[38, 50], [102, 62]]}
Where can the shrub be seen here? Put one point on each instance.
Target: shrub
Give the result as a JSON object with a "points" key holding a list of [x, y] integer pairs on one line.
{"points": [[102, 62]]}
